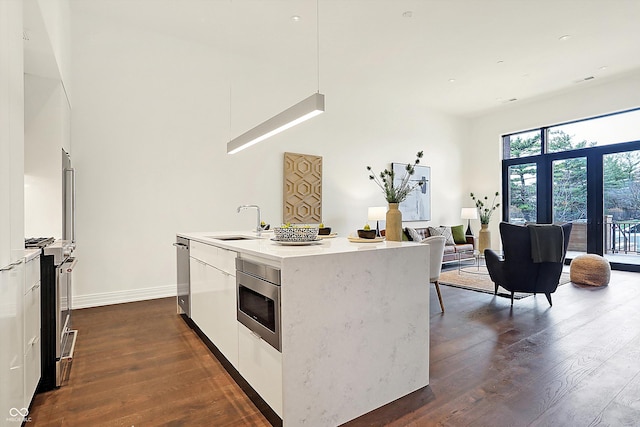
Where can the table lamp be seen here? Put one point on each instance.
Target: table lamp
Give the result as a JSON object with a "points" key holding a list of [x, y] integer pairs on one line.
{"points": [[469, 214], [377, 213]]}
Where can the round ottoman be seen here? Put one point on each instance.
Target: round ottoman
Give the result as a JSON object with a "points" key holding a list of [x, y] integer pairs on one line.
{"points": [[590, 269]]}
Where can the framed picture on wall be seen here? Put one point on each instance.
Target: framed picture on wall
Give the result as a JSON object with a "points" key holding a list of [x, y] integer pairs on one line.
{"points": [[417, 205]]}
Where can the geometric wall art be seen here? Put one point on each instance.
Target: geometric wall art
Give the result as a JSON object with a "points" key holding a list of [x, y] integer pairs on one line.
{"points": [[302, 195]]}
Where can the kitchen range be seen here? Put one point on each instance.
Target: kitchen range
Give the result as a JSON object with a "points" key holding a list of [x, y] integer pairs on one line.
{"points": [[57, 336], [315, 334]]}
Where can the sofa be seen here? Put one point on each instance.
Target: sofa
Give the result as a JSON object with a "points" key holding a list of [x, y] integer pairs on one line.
{"points": [[452, 251]]}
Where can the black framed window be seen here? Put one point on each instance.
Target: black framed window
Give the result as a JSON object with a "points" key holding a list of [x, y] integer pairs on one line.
{"points": [[586, 172]]}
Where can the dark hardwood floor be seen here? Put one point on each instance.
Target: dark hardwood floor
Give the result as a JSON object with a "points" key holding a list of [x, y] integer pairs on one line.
{"points": [[139, 364], [574, 364]]}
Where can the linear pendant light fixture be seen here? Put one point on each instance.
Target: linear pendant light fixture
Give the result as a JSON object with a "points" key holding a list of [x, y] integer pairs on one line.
{"points": [[298, 113], [303, 110]]}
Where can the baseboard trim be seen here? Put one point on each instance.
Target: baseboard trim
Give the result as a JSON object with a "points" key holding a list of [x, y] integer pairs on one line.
{"points": [[119, 297]]}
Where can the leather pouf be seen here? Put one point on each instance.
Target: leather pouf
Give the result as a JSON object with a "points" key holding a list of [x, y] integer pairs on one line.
{"points": [[590, 269]]}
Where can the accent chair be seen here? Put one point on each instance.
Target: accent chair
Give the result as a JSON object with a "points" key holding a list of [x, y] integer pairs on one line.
{"points": [[517, 271]]}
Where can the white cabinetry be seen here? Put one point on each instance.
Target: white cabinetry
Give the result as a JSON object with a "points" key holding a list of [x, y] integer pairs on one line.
{"points": [[261, 365], [12, 333], [31, 338], [11, 133], [213, 296]]}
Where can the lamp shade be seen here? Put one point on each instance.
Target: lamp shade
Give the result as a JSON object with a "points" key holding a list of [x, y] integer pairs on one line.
{"points": [[469, 213], [377, 213]]}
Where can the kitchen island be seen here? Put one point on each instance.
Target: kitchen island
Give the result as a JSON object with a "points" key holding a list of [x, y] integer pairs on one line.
{"points": [[354, 323]]}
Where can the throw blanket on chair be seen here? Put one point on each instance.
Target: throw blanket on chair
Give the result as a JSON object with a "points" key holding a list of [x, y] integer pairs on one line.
{"points": [[547, 242]]}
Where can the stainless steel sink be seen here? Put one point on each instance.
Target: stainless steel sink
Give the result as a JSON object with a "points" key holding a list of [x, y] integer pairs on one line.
{"points": [[233, 237]]}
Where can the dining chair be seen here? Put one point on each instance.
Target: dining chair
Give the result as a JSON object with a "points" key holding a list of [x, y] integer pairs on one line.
{"points": [[436, 250]]}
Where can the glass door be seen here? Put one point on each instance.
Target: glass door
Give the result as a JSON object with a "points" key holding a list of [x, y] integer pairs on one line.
{"points": [[586, 172], [569, 199], [621, 185], [523, 194]]}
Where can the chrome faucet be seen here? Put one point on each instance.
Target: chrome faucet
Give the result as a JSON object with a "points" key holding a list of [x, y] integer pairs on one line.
{"points": [[258, 227]]}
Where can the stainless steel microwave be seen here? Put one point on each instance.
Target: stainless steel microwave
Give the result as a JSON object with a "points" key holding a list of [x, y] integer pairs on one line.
{"points": [[258, 292]]}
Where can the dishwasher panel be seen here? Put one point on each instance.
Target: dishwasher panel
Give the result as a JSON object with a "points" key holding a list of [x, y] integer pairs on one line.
{"points": [[183, 277]]}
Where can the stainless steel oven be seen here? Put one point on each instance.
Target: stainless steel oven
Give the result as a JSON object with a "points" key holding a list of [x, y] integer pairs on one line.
{"points": [[66, 339], [58, 337], [258, 291]]}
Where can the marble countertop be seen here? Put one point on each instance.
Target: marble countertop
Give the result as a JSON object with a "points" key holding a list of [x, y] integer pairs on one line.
{"points": [[30, 254], [266, 248]]}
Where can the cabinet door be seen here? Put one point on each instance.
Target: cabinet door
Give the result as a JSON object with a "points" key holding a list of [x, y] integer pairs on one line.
{"points": [[222, 259], [261, 365], [32, 372], [31, 340], [213, 307], [31, 316], [223, 328], [11, 133], [12, 332], [198, 280]]}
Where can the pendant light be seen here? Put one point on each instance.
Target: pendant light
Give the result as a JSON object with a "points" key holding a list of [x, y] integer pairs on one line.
{"points": [[302, 111], [298, 113]]}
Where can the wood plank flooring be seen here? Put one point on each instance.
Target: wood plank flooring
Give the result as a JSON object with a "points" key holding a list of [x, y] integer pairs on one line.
{"points": [[574, 364], [139, 364]]}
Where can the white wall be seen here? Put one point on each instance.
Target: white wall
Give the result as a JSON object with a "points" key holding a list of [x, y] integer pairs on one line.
{"points": [[484, 147], [150, 126], [56, 18]]}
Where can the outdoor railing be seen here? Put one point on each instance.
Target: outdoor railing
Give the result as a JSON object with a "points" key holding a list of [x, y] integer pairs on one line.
{"points": [[622, 237]]}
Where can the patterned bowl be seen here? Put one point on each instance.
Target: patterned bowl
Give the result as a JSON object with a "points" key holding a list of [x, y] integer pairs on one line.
{"points": [[296, 233]]}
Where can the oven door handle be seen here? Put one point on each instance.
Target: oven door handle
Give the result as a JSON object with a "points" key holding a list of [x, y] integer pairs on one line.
{"points": [[70, 265]]}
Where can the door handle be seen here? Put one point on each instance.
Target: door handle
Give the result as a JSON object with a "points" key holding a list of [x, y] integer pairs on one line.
{"points": [[12, 265]]}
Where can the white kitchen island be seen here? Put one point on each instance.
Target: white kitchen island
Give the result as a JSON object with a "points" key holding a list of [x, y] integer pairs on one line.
{"points": [[354, 322]]}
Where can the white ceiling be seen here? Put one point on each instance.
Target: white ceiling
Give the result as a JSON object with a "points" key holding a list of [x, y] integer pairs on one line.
{"points": [[495, 50]]}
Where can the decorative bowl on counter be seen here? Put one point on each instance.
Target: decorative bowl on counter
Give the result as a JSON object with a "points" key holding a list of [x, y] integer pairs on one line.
{"points": [[296, 233], [367, 234]]}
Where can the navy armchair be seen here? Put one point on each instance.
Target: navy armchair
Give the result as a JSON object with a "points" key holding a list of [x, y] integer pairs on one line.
{"points": [[517, 271]]}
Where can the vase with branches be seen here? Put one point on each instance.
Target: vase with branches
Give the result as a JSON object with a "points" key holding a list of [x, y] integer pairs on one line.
{"points": [[484, 209], [396, 191]]}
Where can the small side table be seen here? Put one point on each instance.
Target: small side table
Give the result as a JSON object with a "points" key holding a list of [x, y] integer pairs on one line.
{"points": [[467, 258], [478, 258]]}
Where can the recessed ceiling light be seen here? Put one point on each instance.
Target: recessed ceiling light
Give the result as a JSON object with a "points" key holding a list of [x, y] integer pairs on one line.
{"points": [[452, 80], [295, 18], [500, 62], [407, 14], [604, 67], [565, 37]]}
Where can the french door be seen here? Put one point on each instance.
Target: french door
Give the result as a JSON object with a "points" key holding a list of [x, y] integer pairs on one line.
{"points": [[587, 187]]}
